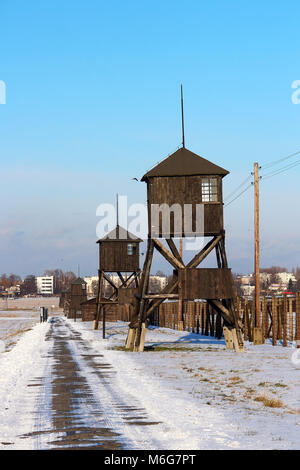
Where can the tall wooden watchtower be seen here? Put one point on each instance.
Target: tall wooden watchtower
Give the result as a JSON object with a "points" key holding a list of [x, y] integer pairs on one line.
{"points": [[118, 253], [189, 189]]}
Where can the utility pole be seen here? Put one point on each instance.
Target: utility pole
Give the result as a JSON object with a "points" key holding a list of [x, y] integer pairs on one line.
{"points": [[180, 303], [256, 245]]}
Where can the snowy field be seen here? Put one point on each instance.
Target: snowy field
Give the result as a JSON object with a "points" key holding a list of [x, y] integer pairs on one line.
{"points": [[206, 394], [198, 394], [14, 324]]}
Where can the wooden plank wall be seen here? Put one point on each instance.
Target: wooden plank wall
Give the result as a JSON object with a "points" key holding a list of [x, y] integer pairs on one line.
{"points": [[280, 318]]}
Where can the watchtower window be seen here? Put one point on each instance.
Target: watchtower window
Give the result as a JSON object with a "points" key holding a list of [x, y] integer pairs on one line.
{"points": [[209, 191], [131, 249]]}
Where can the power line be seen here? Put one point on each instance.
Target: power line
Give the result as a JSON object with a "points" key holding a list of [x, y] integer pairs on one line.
{"points": [[280, 170], [269, 165], [240, 186], [240, 194]]}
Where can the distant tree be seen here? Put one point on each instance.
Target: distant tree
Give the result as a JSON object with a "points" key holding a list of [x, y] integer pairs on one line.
{"points": [[9, 281], [14, 279], [61, 281], [160, 273], [274, 279], [291, 286], [297, 273], [237, 284], [28, 286], [273, 270]]}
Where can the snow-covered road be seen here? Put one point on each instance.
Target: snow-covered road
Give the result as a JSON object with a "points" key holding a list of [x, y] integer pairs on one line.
{"points": [[62, 386]]}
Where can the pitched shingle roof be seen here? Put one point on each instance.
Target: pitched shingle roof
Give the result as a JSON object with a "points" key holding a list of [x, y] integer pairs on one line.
{"points": [[183, 162], [119, 234]]}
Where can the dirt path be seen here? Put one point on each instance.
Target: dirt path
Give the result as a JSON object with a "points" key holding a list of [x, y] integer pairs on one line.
{"points": [[78, 392]]}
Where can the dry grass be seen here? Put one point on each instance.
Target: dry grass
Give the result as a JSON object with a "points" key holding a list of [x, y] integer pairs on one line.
{"points": [[236, 380], [269, 402]]}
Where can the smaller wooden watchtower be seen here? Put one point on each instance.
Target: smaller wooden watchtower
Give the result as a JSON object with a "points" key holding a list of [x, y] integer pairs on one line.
{"points": [[77, 295], [119, 253]]}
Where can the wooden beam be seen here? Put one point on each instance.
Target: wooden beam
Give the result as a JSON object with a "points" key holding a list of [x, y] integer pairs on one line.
{"points": [[98, 299], [174, 250], [171, 287], [107, 278], [146, 272], [121, 278], [223, 310], [167, 255], [204, 252], [161, 296]]}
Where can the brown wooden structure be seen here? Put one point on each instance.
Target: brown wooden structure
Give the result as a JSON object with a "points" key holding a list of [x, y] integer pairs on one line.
{"points": [[185, 178], [118, 253], [77, 295], [64, 301], [113, 311]]}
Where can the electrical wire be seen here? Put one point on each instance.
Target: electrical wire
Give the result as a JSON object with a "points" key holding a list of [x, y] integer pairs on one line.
{"points": [[240, 186], [280, 170], [240, 194], [269, 165]]}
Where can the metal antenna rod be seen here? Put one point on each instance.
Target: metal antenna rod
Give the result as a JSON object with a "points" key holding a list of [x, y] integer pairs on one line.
{"points": [[117, 209], [117, 228], [182, 118]]}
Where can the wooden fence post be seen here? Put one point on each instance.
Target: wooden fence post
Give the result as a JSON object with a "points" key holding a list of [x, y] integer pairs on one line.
{"points": [[265, 318], [198, 310], [206, 313], [212, 322], [274, 321], [291, 326], [279, 315], [203, 318], [285, 315], [246, 320], [297, 336]]}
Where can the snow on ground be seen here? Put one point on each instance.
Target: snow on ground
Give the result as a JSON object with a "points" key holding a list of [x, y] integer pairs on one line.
{"points": [[19, 397], [203, 396], [13, 324], [206, 395]]}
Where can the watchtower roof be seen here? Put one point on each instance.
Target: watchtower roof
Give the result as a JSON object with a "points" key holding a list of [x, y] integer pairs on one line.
{"points": [[183, 162], [120, 234], [79, 280]]}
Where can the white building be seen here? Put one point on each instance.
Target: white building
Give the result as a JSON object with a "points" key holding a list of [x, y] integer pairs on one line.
{"points": [[285, 278], [247, 289], [158, 283], [91, 281], [44, 285]]}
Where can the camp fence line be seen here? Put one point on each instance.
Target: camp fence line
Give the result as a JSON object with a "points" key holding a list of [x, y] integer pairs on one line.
{"points": [[279, 317]]}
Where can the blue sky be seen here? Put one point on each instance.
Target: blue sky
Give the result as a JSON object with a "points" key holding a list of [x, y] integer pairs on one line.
{"points": [[93, 100]]}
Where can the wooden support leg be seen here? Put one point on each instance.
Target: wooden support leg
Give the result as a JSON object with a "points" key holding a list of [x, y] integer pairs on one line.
{"points": [[130, 339], [98, 301], [143, 291], [139, 345]]}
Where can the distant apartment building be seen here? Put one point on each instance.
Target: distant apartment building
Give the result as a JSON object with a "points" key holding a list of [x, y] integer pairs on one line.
{"points": [[276, 283], [285, 278], [247, 290], [91, 285], [157, 283], [44, 285]]}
